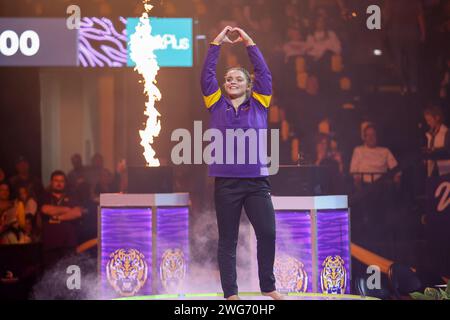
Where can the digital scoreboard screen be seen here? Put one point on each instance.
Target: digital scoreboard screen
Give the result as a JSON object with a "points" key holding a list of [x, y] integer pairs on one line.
{"points": [[98, 42]]}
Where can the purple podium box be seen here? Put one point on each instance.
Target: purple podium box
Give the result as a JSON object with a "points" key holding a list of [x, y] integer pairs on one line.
{"points": [[313, 244], [143, 243]]}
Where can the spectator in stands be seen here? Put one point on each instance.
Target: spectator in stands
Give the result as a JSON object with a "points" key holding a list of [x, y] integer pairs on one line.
{"points": [[295, 45], [78, 174], [121, 176], [326, 155], [29, 202], [321, 45], [104, 185], [24, 178], [31, 230], [5, 204], [60, 214], [438, 142], [405, 25], [95, 171], [322, 41], [12, 232], [370, 161]]}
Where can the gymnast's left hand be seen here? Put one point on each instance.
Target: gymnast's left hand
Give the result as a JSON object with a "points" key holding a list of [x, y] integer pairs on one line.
{"points": [[243, 37]]}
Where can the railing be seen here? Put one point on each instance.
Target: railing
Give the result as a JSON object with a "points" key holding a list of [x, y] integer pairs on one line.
{"points": [[362, 175]]}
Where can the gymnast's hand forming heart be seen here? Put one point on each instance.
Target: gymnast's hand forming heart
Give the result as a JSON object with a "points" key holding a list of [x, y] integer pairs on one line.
{"points": [[242, 37], [223, 36], [237, 34]]}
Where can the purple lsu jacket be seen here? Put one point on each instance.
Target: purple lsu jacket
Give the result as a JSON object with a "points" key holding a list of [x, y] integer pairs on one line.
{"points": [[247, 157]]}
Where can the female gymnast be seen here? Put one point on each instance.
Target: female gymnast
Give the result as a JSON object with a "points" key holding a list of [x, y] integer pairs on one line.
{"points": [[243, 104]]}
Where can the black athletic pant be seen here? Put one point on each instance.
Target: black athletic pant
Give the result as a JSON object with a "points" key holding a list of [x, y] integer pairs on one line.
{"points": [[231, 195]]}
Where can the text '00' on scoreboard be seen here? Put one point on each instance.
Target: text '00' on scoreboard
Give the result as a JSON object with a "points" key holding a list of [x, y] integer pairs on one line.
{"points": [[98, 42]]}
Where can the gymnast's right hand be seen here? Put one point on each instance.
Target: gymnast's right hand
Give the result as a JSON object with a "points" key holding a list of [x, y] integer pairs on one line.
{"points": [[222, 37]]}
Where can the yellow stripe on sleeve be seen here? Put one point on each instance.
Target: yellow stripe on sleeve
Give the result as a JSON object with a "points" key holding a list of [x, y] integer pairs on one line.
{"points": [[263, 99], [213, 98]]}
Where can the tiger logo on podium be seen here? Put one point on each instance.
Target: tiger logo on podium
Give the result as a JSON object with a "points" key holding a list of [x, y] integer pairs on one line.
{"points": [[290, 274], [333, 278], [172, 270], [127, 271]]}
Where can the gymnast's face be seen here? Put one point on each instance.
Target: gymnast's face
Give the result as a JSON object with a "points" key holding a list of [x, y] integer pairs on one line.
{"points": [[236, 84]]}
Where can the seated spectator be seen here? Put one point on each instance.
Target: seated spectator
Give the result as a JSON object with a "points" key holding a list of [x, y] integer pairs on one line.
{"points": [[438, 142], [60, 214], [24, 178], [5, 202], [78, 174], [27, 200], [95, 172], [322, 41], [295, 45], [326, 155], [321, 46], [104, 185], [8, 209], [10, 230], [31, 230], [12, 233], [370, 161]]}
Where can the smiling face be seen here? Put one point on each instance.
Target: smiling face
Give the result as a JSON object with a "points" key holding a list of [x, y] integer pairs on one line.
{"points": [[237, 83]]}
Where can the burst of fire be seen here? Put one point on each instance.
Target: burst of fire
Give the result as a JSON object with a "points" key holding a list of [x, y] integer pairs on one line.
{"points": [[142, 47]]}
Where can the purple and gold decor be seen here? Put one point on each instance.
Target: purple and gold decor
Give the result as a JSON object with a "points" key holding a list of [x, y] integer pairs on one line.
{"points": [[126, 249], [144, 243], [172, 248], [293, 263], [333, 251], [313, 244]]}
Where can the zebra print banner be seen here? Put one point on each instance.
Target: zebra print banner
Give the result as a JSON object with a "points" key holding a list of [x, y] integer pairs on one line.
{"points": [[100, 44]]}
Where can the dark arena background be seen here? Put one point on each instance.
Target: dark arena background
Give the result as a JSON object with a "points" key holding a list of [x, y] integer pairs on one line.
{"points": [[361, 103]]}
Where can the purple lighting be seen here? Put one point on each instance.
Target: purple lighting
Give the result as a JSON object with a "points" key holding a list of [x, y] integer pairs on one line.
{"points": [[333, 249], [127, 229]]}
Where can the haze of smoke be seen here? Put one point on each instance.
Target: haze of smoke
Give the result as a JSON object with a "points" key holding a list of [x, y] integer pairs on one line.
{"points": [[203, 274], [53, 283]]}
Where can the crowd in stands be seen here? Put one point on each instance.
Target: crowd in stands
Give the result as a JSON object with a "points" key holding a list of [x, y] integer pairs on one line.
{"points": [[60, 216], [309, 46]]}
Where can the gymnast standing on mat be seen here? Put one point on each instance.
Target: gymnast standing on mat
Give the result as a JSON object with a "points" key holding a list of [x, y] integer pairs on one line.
{"points": [[243, 104]]}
